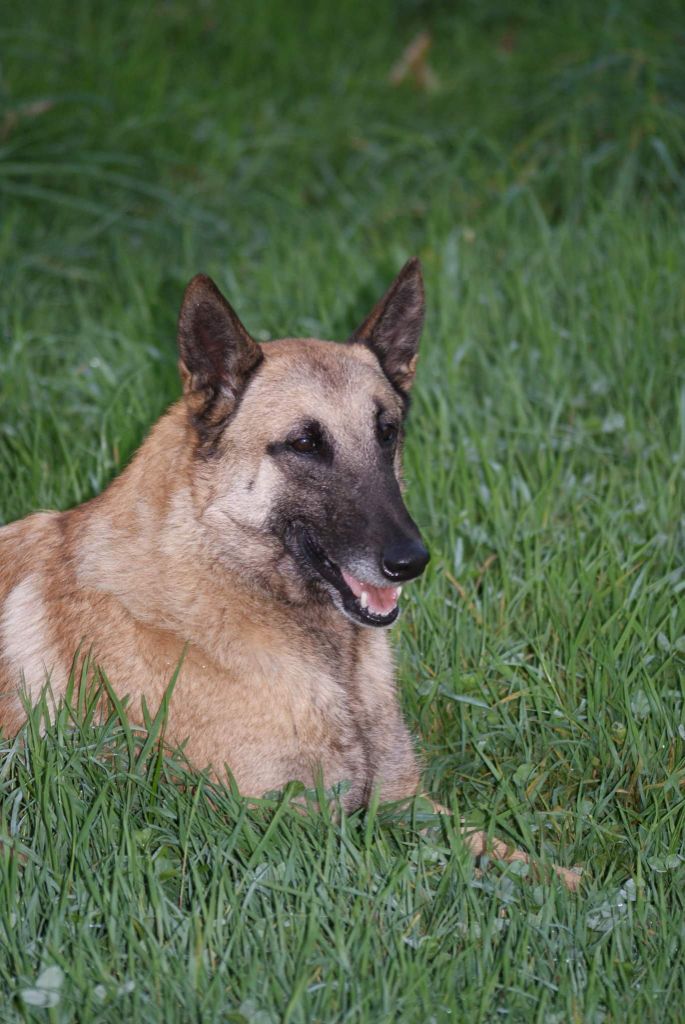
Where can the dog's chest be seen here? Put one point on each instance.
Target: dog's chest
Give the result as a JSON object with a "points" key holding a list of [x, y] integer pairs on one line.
{"points": [[282, 711]]}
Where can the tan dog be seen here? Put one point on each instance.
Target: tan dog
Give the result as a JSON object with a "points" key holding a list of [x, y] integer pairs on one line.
{"points": [[261, 527]]}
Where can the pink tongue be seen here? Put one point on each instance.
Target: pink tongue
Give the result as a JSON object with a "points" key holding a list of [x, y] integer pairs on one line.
{"points": [[380, 600]]}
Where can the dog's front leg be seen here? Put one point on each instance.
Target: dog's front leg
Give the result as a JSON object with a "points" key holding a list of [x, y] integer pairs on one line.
{"points": [[480, 844]]}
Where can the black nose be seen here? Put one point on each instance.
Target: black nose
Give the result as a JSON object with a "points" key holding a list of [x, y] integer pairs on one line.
{"points": [[404, 559]]}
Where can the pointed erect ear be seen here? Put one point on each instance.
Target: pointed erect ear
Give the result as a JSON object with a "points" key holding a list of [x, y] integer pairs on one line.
{"points": [[393, 328], [217, 355]]}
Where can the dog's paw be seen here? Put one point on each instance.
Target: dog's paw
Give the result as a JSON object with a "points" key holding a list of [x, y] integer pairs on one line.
{"points": [[480, 844]]}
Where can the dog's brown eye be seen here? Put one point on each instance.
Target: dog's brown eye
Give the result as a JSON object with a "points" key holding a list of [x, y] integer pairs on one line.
{"points": [[305, 445], [387, 432]]}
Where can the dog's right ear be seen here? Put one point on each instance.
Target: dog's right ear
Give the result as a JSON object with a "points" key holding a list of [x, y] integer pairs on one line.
{"points": [[217, 355]]}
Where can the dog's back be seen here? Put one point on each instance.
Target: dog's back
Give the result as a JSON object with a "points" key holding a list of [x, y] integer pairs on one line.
{"points": [[29, 556]]}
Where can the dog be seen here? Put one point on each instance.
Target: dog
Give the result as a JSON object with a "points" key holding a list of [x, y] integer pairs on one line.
{"points": [[259, 536]]}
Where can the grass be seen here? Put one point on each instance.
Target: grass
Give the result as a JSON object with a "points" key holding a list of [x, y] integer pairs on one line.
{"points": [[540, 659]]}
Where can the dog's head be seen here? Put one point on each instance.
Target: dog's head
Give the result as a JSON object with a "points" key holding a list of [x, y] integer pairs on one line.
{"points": [[298, 450]]}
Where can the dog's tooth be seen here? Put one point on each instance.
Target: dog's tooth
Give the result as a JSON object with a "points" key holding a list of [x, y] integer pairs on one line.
{"points": [[398, 592], [364, 599]]}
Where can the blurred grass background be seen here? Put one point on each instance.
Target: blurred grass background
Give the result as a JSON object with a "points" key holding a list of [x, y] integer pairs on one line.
{"points": [[541, 177]]}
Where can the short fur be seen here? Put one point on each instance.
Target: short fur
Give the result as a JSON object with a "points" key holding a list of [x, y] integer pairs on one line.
{"points": [[222, 538], [187, 547]]}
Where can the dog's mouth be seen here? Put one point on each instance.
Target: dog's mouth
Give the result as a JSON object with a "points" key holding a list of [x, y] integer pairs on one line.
{"points": [[363, 602]]}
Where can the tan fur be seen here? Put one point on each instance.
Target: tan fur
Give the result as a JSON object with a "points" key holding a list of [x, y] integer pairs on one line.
{"points": [[175, 555], [137, 574]]}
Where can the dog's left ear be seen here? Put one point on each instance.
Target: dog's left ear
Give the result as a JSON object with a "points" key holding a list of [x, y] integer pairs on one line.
{"points": [[217, 355], [393, 328]]}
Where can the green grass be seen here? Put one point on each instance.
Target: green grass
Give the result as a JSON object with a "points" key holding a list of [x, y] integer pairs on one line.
{"points": [[541, 657]]}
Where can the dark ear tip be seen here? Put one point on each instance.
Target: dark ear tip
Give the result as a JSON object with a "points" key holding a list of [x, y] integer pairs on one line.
{"points": [[200, 287], [412, 268], [411, 273]]}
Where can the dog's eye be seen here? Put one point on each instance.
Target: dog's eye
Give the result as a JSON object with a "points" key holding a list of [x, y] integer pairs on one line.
{"points": [[387, 432], [308, 444]]}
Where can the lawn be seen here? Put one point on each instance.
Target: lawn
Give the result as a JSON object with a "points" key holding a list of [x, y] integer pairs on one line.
{"points": [[541, 179]]}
